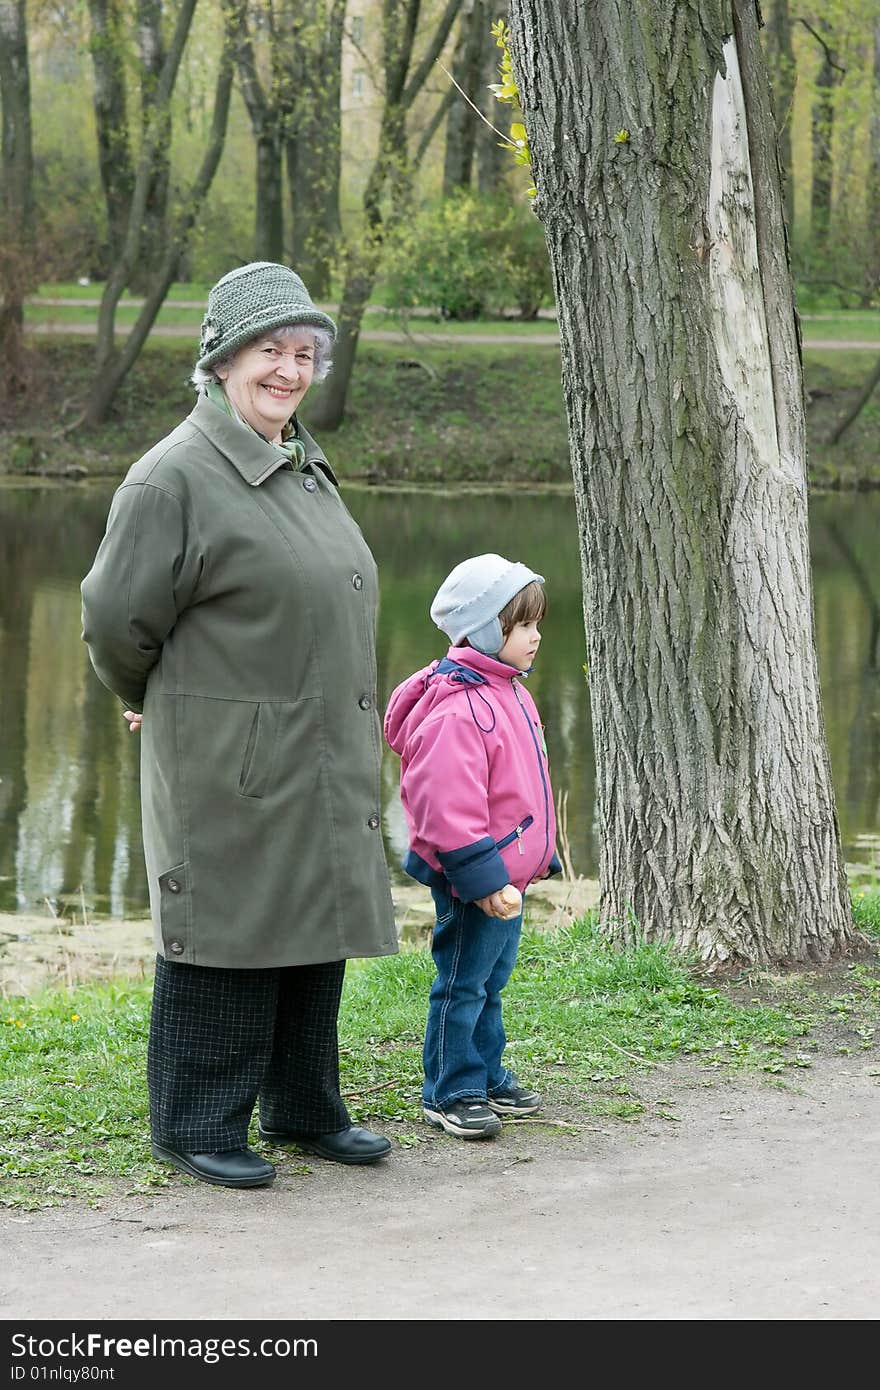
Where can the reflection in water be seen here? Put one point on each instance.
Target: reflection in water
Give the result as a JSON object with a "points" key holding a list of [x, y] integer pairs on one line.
{"points": [[69, 815]]}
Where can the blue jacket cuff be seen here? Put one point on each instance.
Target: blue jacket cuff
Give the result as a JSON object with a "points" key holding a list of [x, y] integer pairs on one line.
{"points": [[555, 865], [475, 870]]}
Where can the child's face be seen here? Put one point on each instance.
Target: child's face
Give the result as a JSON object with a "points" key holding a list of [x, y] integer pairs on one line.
{"points": [[521, 645]]}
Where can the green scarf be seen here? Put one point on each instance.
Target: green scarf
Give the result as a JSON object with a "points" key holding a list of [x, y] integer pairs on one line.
{"points": [[292, 448]]}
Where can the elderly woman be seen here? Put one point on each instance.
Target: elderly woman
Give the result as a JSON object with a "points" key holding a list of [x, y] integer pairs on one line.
{"points": [[231, 607]]}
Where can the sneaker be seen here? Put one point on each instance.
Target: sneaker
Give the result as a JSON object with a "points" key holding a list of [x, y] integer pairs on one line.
{"points": [[516, 1100], [467, 1119]]}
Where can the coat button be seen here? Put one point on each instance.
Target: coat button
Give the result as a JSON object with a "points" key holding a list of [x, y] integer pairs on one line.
{"points": [[310, 485], [173, 886], [357, 581], [365, 702], [176, 948], [373, 822]]}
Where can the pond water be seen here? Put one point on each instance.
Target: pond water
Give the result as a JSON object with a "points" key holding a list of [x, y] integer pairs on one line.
{"points": [[69, 814]]}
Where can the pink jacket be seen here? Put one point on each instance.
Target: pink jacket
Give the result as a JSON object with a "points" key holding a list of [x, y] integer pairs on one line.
{"points": [[474, 780]]}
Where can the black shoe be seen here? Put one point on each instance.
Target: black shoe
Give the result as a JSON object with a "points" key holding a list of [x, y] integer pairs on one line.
{"points": [[466, 1119], [515, 1100], [352, 1145], [234, 1168]]}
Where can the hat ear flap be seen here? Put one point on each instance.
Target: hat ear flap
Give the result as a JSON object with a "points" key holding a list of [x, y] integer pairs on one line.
{"points": [[488, 639]]}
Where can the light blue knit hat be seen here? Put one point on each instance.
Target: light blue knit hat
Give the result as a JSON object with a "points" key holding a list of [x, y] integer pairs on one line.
{"points": [[469, 600], [253, 300]]}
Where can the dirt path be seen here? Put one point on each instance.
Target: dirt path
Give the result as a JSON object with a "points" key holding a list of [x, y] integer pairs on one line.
{"points": [[758, 1202]]}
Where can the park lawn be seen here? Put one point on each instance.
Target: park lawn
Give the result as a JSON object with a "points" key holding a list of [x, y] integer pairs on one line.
{"points": [[584, 1020], [418, 414]]}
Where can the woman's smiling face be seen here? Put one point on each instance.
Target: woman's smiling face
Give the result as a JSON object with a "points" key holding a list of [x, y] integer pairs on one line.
{"points": [[268, 378]]}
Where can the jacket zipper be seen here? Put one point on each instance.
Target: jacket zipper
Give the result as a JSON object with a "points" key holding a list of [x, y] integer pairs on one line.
{"points": [[515, 834], [525, 715]]}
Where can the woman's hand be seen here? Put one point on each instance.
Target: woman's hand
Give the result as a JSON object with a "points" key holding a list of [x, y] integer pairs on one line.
{"points": [[135, 720]]}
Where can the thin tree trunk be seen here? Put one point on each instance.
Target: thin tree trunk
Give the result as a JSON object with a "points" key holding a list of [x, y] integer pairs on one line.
{"points": [[391, 169], [873, 198], [822, 130], [115, 365], [783, 78], [17, 261], [313, 146], [109, 98], [858, 405], [151, 49], [461, 125], [492, 159], [266, 123], [127, 257], [682, 382]]}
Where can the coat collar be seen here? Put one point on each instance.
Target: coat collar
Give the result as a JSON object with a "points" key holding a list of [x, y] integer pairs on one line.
{"points": [[254, 457], [485, 666]]}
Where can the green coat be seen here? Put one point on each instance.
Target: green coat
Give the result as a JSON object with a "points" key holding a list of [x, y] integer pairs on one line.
{"points": [[233, 599]]}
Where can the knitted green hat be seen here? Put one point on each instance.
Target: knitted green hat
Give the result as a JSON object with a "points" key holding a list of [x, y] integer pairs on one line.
{"points": [[253, 300]]}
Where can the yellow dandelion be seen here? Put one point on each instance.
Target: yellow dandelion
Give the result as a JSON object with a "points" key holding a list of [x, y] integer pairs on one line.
{"points": [[74, 1018], [18, 1023]]}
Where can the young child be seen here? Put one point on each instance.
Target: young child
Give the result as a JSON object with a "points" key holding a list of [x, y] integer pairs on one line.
{"points": [[476, 795]]}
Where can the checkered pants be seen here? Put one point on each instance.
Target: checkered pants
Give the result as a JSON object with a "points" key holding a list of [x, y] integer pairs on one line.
{"points": [[222, 1039]]}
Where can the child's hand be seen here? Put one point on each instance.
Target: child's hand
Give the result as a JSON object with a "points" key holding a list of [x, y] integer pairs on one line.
{"points": [[134, 720], [506, 902]]}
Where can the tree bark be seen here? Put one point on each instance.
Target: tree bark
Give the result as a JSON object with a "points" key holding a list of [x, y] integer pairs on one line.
{"points": [[783, 78], [655, 163], [17, 261], [391, 169], [110, 101], [462, 122]]}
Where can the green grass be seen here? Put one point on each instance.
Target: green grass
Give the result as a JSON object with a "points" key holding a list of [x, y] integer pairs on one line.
{"points": [[854, 323], [584, 1019], [476, 412]]}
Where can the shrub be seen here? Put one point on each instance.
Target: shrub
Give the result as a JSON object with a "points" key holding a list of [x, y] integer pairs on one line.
{"points": [[468, 256]]}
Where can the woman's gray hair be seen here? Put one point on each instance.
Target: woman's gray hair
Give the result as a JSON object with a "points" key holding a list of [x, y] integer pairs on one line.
{"points": [[202, 376]]}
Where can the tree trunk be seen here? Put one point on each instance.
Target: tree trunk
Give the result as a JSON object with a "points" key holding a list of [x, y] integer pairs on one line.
{"points": [[151, 50], [873, 199], [493, 160], [17, 260], [783, 80], [822, 124], [655, 163], [403, 82], [266, 123], [106, 45], [313, 146], [858, 405], [114, 365], [462, 122]]}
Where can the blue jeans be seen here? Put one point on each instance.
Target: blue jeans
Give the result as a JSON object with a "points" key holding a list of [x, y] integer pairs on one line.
{"points": [[464, 1040]]}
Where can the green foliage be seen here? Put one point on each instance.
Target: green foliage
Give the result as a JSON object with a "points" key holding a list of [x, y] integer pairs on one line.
{"points": [[467, 256], [507, 91]]}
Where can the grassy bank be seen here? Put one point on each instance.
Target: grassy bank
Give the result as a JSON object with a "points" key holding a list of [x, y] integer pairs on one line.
{"points": [[463, 412], [584, 1021]]}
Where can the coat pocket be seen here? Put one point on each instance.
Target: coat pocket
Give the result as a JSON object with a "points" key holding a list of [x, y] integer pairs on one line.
{"points": [[260, 752], [515, 834]]}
